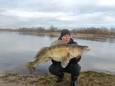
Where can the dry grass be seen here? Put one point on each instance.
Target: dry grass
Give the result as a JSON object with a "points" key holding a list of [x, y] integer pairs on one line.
{"points": [[85, 79]]}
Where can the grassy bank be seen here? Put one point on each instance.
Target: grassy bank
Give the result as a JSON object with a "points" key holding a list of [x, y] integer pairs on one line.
{"points": [[86, 79]]}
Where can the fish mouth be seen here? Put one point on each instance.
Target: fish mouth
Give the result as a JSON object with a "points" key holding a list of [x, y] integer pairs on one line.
{"points": [[86, 48]]}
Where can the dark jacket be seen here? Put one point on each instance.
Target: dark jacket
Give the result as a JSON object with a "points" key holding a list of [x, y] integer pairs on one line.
{"points": [[73, 60]]}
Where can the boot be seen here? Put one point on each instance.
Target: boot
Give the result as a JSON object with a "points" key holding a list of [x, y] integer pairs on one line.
{"points": [[73, 83], [74, 80]]}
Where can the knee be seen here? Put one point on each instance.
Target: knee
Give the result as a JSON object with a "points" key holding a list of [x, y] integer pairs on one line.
{"points": [[76, 70], [51, 68], [55, 70]]}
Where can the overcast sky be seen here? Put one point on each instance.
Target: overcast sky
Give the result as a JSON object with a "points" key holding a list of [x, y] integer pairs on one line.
{"points": [[65, 13]]}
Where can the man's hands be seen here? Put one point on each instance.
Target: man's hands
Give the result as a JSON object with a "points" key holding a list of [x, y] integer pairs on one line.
{"points": [[78, 58]]}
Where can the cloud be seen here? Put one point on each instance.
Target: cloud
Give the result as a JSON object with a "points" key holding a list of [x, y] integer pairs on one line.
{"points": [[33, 14], [106, 2], [57, 12]]}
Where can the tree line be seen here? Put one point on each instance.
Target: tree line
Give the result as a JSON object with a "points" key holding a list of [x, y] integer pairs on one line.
{"points": [[89, 30]]}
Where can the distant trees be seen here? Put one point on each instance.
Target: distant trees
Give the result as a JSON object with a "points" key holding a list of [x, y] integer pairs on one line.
{"points": [[53, 29], [90, 30], [93, 30], [39, 29]]}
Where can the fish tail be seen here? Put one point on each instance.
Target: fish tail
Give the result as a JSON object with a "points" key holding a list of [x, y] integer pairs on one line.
{"points": [[31, 66]]}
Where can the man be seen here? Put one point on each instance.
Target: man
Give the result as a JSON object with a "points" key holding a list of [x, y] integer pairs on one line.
{"points": [[73, 67]]}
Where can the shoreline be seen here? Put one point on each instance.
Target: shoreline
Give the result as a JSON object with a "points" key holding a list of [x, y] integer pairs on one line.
{"points": [[93, 37], [89, 78]]}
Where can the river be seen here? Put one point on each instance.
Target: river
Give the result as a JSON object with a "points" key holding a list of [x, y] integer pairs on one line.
{"points": [[18, 49]]}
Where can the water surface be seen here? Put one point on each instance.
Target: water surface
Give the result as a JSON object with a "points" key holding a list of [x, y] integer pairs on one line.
{"points": [[16, 50]]}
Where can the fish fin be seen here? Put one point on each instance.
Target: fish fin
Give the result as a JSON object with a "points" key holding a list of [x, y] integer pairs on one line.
{"points": [[66, 60], [65, 63], [57, 42]]}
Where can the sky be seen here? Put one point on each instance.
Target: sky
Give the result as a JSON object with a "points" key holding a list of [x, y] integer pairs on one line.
{"points": [[59, 13]]}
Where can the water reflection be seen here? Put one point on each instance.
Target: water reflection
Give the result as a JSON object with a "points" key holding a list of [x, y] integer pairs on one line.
{"points": [[16, 50]]}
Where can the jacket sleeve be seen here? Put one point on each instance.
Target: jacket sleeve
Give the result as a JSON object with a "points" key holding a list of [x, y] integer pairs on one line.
{"points": [[55, 62], [74, 60]]}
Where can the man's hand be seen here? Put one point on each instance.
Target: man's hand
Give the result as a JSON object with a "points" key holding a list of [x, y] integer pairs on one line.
{"points": [[78, 58]]}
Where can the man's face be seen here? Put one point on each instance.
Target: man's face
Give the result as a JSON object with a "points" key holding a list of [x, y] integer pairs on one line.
{"points": [[66, 38]]}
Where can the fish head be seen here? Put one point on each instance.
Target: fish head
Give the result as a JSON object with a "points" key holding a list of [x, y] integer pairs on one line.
{"points": [[83, 49], [78, 50]]}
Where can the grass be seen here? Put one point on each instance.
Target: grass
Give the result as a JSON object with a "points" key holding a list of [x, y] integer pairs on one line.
{"points": [[88, 78]]}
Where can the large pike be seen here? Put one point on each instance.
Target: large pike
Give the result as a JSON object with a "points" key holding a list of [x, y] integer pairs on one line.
{"points": [[61, 53]]}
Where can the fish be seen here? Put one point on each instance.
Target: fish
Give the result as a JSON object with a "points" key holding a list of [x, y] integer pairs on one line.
{"points": [[60, 53]]}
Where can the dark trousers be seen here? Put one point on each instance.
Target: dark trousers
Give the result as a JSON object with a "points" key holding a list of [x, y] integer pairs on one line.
{"points": [[72, 68]]}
